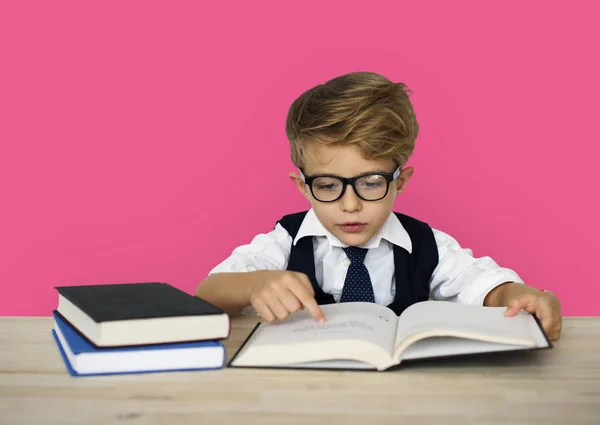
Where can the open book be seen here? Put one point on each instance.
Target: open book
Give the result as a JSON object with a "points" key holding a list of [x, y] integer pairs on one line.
{"points": [[370, 336]]}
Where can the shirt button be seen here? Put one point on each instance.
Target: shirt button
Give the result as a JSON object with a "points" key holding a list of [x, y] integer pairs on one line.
{"points": [[347, 261]]}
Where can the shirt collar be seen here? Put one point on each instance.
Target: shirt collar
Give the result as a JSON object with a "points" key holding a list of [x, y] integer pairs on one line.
{"points": [[392, 231]]}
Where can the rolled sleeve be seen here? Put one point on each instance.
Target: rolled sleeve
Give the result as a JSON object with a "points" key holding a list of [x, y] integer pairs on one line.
{"points": [[462, 278], [266, 251]]}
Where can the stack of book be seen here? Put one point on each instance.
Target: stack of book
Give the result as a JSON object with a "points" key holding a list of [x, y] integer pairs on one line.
{"points": [[137, 328]]}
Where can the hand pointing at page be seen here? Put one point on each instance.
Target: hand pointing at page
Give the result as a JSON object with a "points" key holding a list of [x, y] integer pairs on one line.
{"points": [[281, 293]]}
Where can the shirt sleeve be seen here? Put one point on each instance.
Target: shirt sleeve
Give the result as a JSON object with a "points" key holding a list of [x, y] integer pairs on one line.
{"points": [[266, 251], [463, 278]]}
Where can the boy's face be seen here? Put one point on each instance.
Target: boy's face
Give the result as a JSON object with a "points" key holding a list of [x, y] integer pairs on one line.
{"points": [[351, 219]]}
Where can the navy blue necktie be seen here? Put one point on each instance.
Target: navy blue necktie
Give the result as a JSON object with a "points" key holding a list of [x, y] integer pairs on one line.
{"points": [[357, 286]]}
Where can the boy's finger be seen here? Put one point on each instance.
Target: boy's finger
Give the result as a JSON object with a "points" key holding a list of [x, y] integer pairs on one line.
{"points": [[289, 300], [556, 328], [550, 322], [277, 307], [305, 282], [308, 300], [263, 310], [525, 302], [511, 311], [314, 309], [513, 307], [548, 326]]}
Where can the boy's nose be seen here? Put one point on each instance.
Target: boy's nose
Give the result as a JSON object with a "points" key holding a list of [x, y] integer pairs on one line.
{"points": [[350, 202]]}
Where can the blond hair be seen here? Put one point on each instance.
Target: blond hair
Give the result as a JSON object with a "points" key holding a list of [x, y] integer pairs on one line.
{"points": [[360, 108]]}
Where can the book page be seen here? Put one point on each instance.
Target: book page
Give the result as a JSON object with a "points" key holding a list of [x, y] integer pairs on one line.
{"points": [[333, 364], [442, 346], [441, 318], [361, 321]]}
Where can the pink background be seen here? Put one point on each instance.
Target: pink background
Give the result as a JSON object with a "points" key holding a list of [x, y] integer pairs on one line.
{"points": [[144, 141]]}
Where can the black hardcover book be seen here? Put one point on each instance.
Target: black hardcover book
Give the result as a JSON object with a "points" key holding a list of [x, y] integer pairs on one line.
{"points": [[140, 313]]}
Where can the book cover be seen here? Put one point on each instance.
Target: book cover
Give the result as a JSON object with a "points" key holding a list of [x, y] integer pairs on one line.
{"points": [[140, 314], [129, 301]]}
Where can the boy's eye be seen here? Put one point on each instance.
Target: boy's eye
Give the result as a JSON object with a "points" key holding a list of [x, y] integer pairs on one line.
{"points": [[330, 186], [326, 184], [372, 182]]}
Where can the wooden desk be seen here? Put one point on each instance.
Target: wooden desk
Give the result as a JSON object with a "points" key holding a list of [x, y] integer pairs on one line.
{"points": [[558, 386]]}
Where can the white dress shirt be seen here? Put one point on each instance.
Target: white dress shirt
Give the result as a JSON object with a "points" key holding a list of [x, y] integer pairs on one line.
{"points": [[458, 277]]}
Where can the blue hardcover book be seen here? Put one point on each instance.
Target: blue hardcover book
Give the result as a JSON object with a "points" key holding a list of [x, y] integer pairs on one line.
{"points": [[83, 358]]}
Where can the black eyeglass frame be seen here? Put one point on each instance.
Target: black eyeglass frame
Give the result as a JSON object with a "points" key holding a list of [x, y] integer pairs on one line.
{"points": [[389, 178]]}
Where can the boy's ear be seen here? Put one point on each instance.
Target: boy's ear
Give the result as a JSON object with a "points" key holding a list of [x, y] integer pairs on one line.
{"points": [[295, 178], [403, 179]]}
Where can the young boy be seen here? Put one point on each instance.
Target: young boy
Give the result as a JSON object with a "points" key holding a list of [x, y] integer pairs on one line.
{"points": [[350, 139]]}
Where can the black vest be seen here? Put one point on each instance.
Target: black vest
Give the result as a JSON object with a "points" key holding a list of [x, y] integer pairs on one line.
{"points": [[412, 271]]}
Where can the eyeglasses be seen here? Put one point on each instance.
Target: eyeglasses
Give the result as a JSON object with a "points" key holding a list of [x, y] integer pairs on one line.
{"points": [[368, 187]]}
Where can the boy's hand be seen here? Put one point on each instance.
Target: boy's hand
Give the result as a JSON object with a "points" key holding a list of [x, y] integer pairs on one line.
{"points": [[279, 293], [544, 304]]}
